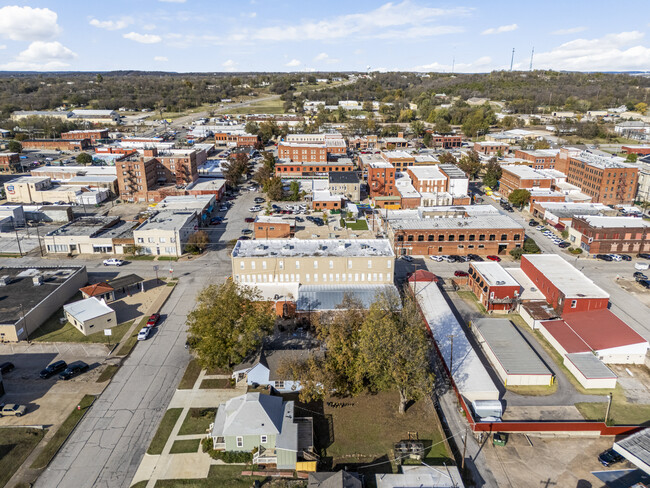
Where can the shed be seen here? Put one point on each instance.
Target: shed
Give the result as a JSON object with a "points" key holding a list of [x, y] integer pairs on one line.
{"points": [[590, 371], [514, 360], [636, 449], [90, 315], [127, 284], [102, 291]]}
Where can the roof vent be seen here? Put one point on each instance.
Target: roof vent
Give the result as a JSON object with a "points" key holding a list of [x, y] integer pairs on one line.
{"points": [[5, 280], [37, 280]]}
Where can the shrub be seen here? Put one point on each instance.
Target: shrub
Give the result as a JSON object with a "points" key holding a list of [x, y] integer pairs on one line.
{"points": [[516, 253], [225, 456], [575, 250]]}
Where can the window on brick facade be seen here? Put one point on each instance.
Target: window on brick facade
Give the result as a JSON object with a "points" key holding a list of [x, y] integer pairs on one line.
{"points": [[451, 238], [472, 237], [516, 237], [400, 238], [493, 237], [481, 237], [441, 238], [410, 238], [461, 237], [420, 238], [430, 238]]}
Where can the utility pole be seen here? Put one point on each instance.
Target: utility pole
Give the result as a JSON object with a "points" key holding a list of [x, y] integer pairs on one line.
{"points": [[530, 68], [38, 236], [18, 241], [462, 466], [453, 63], [609, 405], [451, 356], [512, 59]]}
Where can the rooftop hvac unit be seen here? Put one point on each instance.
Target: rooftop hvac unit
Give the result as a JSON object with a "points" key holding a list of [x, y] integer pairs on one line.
{"points": [[37, 280], [5, 280]]}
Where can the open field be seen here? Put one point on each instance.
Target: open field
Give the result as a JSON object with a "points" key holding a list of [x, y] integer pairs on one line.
{"points": [[15, 445], [265, 107]]}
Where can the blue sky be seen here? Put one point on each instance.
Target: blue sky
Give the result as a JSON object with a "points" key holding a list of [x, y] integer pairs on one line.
{"points": [[305, 35]]}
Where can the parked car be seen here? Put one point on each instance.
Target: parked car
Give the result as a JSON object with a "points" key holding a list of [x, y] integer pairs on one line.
{"points": [[532, 223], [408, 259], [8, 409], [73, 370], [447, 258], [564, 244], [604, 257], [52, 369], [243, 238], [113, 262], [465, 259], [644, 283], [475, 257], [259, 200], [494, 258], [643, 255], [249, 220], [143, 335], [626, 257], [153, 320], [216, 220], [255, 208], [616, 257], [540, 228], [6, 367], [460, 273], [437, 259], [641, 266], [246, 232], [639, 276], [609, 457]]}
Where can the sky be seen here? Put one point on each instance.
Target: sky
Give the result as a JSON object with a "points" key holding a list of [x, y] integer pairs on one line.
{"points": [[334, 35]]}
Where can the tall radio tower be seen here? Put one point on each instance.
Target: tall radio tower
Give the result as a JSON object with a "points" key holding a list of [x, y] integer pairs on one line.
{"points": [[512, 59], [530, 68]]}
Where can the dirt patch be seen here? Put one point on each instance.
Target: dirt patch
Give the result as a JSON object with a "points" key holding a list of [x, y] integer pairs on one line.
{"points": [[127, 211]]}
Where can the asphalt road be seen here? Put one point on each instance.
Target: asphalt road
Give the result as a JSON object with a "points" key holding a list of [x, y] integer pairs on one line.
{"points": [[108, 445]]}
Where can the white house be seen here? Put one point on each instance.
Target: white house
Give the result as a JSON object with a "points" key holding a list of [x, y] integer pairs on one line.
{"points": [[90, 315]]}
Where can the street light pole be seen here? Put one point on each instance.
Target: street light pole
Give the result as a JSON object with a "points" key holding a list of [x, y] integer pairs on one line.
{"points": [[18, 240]]}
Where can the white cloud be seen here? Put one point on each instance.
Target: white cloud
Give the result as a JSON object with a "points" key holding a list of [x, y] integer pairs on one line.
{"points": [[148, 27], [112, 24], [321, 57], [28, 24], [229, 65], [621, 51], [501, 29], [160, 58], [41, 55], [143, 38], [476, 66], [293, 63], [3, 46], [389, 20], [325, 58], [570, 30], [250, 15]]}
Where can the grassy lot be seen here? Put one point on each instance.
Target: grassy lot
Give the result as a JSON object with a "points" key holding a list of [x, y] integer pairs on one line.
{"points": [[164, 430], [365, 431], [469, 297], [140, 484], [55, 443], [142, 257], [185, 446], [55, 331], [621, 413], [216, 384], [108, 373], [192, 373], [533, 390], [197, 421], [167, 258], [358, 225], [219, 475], [15, 446], [275, 106], [213, 371]]}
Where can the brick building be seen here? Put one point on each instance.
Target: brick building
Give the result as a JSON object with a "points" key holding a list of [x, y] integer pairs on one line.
{"points": [[381, 179], [605, 180], [600, 234], [489, 148], [641, 150], [399, 159], [428, 179], [9, 162], [57, 144], [92, 135], [516, 177], [539, 159], [312, 153], [345, 183], [486, 234], [273, 227], [493, 286], [287, 169], [446, 141], [566, 289]]}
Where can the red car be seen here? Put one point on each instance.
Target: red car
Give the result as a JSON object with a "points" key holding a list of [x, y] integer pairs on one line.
{"points": [[460, 274], [153, 320], [494, 258], [249, 220]]}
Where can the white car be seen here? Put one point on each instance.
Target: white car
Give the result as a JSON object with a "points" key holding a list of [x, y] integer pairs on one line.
{"points": [[448, 258], [406, 258], [113, 262], [641, 266], [437, 259], [223, 208], [143, 335], [616, 257], [539, 227], [256, 208]]}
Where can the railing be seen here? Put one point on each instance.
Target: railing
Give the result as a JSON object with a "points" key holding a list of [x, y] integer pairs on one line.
{"points": [[265, 456]]}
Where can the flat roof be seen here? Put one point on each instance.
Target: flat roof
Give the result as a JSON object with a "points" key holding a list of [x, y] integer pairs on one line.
{"points": [[207, 184], [453, 171], [123, 281], [512, 351], [421, 477], [427, 172], [313, 247], [167, 220], [491, 143], [595, 330], [85, 226], [20, 295], [539, 310], [528, 290], [329, 297], [397, 154], [325, 196], [494, 274], [378, 164], [269, 219], [470, 375], [565, 277], [87, 309], [602, 221], [93, 179], [590, 366], [458, 223], [524, 172], [636, 448], [343, 177], [602, 162], [28, 179]]}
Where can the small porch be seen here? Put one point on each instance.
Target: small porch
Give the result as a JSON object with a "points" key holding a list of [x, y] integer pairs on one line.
{"points": [[266, 456]]}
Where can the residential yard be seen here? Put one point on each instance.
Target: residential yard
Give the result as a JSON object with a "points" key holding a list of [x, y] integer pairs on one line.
{"points": [[364, 430], [216, 384], [55, 443], [15, 446], [197, 421], [54, 331], [164, 430], [190, 376], [221, 475], [185, 446], [357, 225]]}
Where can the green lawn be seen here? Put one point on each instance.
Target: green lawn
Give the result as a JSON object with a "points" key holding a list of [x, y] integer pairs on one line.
{"points": [[365, 431], [221, 475], [164, 430], [185, 446], [197, 421], [55, 331], [15, 446], [192, 373], [275, 106], [142, 257], [469, 296], [167, 258], [108, 373], [129, 343], [216, 384], [55, 443], [358, 225], [621, 413]]}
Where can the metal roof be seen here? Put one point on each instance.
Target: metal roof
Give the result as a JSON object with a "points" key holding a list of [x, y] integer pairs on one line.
{"points": [[636, 448], [494, 222], [88, 309], [313, 247], [494, 274], [512, 351], [325, 297], [127, 280], [590, 366]]}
